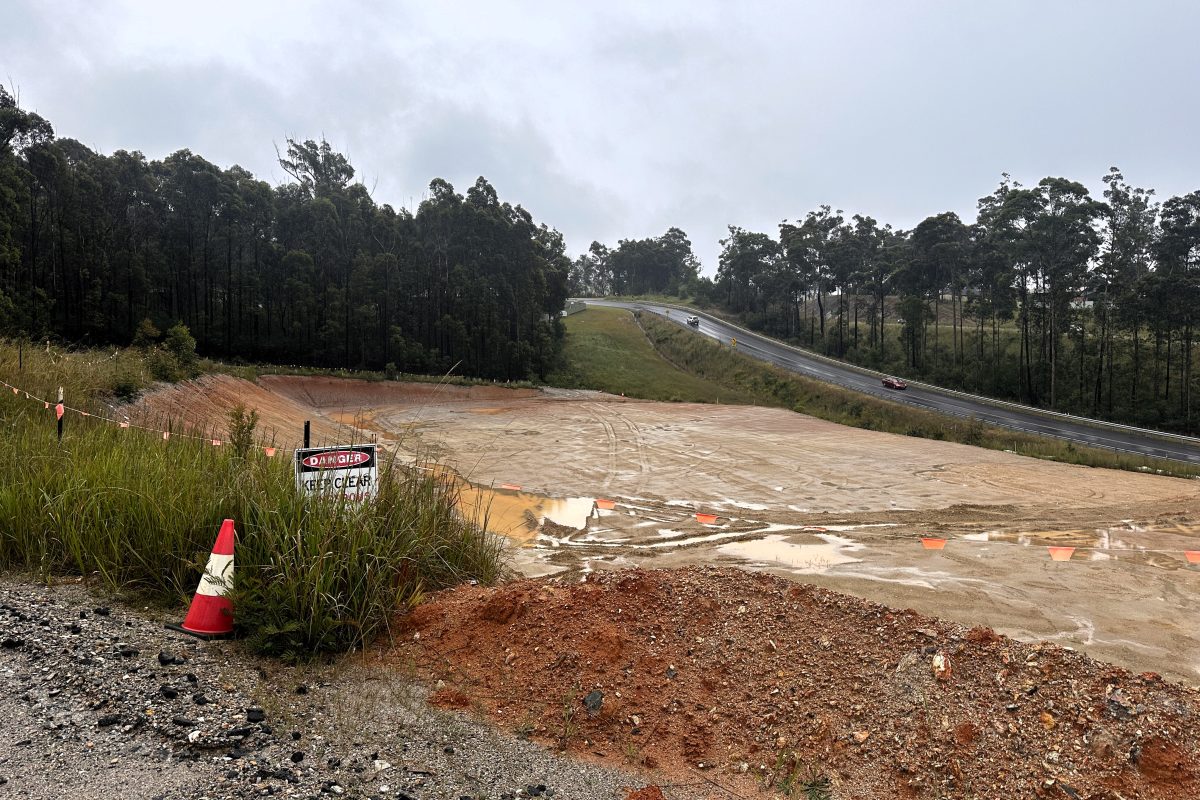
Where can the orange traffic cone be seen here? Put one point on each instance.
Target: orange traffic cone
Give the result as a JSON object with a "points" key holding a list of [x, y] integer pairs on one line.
{"points": [[211, 613]]}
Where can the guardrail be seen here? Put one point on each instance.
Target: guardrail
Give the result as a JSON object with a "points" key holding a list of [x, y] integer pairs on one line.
{"points": [[990, 401]]}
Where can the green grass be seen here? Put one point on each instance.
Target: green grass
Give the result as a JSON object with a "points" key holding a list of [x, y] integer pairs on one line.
{"points": [[606, 349], [140, 515]]}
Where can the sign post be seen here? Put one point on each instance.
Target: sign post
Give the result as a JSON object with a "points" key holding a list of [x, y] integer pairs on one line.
{"points": [[349, 471]]}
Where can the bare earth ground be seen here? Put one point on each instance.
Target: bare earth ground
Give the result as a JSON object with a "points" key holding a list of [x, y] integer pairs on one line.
{"points": [[818, 503]]}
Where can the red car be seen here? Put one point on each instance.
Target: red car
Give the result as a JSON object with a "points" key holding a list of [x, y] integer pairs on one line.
{"points": [[894, 383]]}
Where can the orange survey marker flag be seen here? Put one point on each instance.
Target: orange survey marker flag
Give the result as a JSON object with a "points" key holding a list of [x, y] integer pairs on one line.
{"points": [[1193, 556], [933, 544], [270, 451], [606, 505], [1061, 553], [512, 487], [706, 519], [59, 410]]}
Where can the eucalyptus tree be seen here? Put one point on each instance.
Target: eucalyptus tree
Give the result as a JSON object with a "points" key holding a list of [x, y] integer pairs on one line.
{"points": [[991, 299], [746, 257], [939, 244], [591, 275], [808, 248], [1064, 239], [1116, 282], [865, 246], [660, 265], [1005, 217], [1177, 255]]}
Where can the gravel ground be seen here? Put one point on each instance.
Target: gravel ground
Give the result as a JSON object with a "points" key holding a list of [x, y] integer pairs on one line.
{"points": [[99, 700]]}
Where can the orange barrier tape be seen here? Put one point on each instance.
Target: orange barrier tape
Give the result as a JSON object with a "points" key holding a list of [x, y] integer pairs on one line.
{"points": [[1061, 553], [60, 410], [706, 519], [933, 544], [607, 505]]}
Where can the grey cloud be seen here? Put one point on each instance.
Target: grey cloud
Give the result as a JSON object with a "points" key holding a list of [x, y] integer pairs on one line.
{"points": [[463, 144], [621, 120]]}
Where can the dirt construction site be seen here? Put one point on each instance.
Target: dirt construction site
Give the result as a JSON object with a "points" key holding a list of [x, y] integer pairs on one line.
{"points": [[584, 484]]}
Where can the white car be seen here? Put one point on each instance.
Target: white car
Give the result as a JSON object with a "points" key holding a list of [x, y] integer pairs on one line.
{"points": [[693, 321]]}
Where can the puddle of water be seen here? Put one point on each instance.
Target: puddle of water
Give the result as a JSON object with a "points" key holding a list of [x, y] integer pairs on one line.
{"points": [[747, 506], [802, 558], [573, 512], [531, 562], [843, 528], [775, 527], [520, 514], [909, 576]]}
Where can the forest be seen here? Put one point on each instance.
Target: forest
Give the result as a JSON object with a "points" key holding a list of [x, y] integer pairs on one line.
{"points": [[1051, 297], [94, 248]]}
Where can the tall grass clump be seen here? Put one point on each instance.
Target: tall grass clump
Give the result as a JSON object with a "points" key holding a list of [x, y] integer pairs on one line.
{"points": [[139, 514]]}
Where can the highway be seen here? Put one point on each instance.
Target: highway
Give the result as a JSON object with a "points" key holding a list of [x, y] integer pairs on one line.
{"points": [[1081, 430]]}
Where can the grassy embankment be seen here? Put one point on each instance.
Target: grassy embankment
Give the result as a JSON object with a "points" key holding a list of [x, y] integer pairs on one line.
{"points": [[141, 515], [599, 338], [606, 349]]}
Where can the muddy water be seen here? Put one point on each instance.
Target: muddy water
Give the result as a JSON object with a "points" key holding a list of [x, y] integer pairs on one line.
{"points": [[801, 557], [521, 515]]}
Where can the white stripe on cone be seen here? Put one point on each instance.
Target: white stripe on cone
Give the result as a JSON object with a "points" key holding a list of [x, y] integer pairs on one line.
{"points": [[218, 576]]}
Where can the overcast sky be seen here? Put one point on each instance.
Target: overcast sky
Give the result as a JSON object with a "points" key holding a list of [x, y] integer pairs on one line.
{"points": [[612, 120]]}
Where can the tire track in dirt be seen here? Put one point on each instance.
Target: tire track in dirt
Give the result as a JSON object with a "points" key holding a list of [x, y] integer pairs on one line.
{"points": [[610, 435], [639, 441]]}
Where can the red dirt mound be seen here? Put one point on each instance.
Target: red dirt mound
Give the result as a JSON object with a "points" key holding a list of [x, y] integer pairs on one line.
{"points": [[723, 678]]}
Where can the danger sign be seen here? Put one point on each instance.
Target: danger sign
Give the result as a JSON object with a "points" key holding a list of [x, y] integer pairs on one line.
{"points": [[349, 471]]}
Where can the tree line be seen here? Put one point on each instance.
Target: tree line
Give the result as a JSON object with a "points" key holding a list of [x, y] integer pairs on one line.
{"points": [[1051, 297], [313, 271]]}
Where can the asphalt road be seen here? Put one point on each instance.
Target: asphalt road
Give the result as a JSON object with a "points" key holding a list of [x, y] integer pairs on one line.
{"points": [[1081, 430]]}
